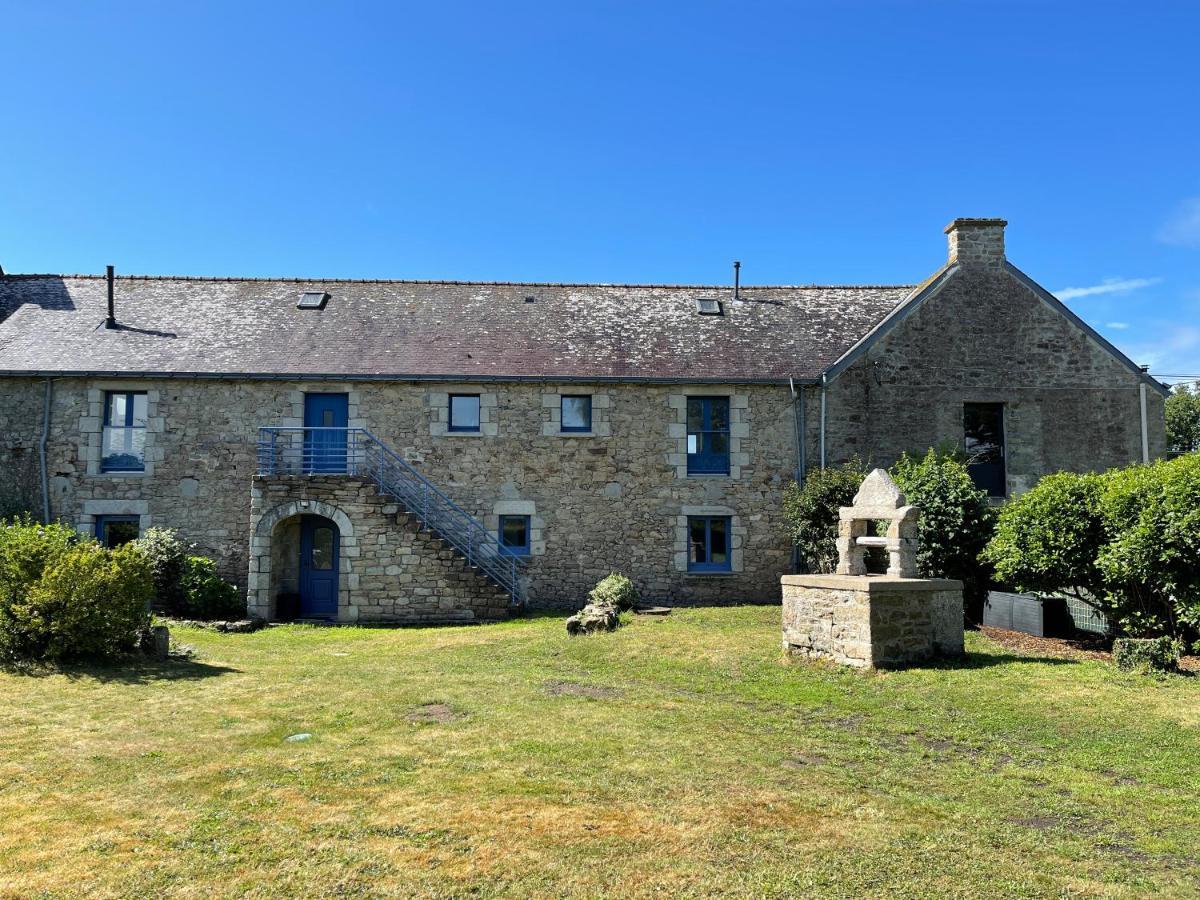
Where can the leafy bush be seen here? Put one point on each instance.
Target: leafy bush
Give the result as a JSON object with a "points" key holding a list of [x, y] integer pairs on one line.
{"points": [[88, 602], [26, 549], [1125, 542], [1146, 655], [956, 522], [1047, 540], [168, 560], [1152, 558], [206, 596], [811, 511], [616, 590]]}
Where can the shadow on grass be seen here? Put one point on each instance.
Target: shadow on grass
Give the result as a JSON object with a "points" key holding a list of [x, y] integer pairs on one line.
{"points": [[984, 661], [134, 671]]}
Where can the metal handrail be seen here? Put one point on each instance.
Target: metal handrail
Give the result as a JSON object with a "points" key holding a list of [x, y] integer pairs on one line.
{"points": [[297, 450]]}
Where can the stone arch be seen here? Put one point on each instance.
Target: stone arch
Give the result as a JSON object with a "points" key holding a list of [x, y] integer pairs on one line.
{"points": [[260, 601]]}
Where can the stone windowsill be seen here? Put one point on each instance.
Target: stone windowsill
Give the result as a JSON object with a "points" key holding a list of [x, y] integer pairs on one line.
{"points": [[710, 574], [115, 475]]}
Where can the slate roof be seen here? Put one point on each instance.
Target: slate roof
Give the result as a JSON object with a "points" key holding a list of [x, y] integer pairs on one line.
{"points": [[416, 329]]}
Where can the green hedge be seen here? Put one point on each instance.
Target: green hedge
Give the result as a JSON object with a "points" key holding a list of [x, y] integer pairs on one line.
{"points": [[1126, 542]]}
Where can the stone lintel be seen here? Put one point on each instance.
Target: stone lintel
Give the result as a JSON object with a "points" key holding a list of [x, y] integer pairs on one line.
{"points": [[872, 584]]}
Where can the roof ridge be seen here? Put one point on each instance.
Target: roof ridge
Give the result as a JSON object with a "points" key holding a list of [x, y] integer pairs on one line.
{"points": [[15, 276]]}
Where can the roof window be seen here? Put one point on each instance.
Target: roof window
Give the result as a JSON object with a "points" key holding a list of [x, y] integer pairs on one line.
{"points": [[707, 306], [313, 300]]}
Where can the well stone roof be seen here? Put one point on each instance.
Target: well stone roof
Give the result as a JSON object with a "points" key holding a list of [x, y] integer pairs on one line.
{"points": [[422, 329]]}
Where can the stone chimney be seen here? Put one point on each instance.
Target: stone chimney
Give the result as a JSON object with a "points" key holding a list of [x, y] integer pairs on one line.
{"points": [[977, 242]]}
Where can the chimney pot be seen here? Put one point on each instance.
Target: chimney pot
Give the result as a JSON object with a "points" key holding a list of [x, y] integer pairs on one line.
{"points": [[977, 242]]}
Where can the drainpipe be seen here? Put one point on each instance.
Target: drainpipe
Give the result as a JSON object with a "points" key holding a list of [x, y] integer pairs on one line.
{"points": [[824, 379], [1145, 431], [798, 423], [42, 452]]}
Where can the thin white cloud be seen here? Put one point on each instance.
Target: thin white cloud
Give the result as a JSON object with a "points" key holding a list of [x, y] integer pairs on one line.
{"points": [[1183, 227], [1117, 325], [1108, 286]]}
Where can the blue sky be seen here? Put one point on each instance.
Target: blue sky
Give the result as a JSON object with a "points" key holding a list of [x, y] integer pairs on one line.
{"points": [[629, 142]]}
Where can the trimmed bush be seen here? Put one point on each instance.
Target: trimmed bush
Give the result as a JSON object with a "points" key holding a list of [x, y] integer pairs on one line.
{"points": [[1152, 558], [1047, 539], [206, 596], [811, 511], [1146, 655], [955, 526], [616, 590], [1125, 542], [88, 603], [168, 559]]}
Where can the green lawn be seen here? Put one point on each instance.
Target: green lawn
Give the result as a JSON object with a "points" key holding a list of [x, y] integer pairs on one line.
{"points": [[678, 756]]}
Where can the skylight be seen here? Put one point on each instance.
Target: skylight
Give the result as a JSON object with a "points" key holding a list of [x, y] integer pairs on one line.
{"points": [[707, 306], [313, 300]]}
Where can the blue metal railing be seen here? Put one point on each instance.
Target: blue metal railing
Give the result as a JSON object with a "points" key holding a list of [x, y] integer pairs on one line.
{"points": [[355, 451]]}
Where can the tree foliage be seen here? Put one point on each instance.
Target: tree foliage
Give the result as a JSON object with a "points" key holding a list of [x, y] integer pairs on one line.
{"points": [[1182, 410]]}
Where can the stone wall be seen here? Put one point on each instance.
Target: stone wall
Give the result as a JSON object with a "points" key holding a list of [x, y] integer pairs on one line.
{"points": [[871, 621], [603, 502], [390, 569], [985, 337], [21, 401]]}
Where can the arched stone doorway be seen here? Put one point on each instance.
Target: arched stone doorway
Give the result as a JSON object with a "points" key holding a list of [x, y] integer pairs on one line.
{"points": [[300, 562]]}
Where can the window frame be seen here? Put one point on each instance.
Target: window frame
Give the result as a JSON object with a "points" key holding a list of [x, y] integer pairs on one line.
{"points": [[100, 529], [707, 402], [512, 550], [107, 423], [999, 468], [562, 419], [710, 566], [464, 429]]}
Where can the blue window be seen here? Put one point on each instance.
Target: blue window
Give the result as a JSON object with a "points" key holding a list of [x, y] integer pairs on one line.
{"points": [[514, 535], [708, 544], [708, 435], [124, 437], [113, 531], [464, 412], [576, 413]]}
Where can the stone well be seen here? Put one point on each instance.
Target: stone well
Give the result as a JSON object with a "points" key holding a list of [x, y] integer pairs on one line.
{"points": [[873, 621]]}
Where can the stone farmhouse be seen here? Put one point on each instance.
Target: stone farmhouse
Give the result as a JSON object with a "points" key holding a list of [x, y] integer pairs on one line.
{"points": [[438, 451]]}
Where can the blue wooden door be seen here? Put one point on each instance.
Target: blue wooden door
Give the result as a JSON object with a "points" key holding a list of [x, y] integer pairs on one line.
{"points": [[318, 568], [325, 420]]}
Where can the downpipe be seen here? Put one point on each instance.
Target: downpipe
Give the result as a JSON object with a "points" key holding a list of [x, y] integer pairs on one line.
{"points": [[42, 451]]}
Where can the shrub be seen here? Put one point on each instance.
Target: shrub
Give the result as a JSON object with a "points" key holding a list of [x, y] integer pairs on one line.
{"points": [[26, 549], [956, 522], [88, 602], [811, 511], [206, 596], [1047, 539], [1146, 655], [616, 590], [1152, 519], [1125, 542], [168, 560]]}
